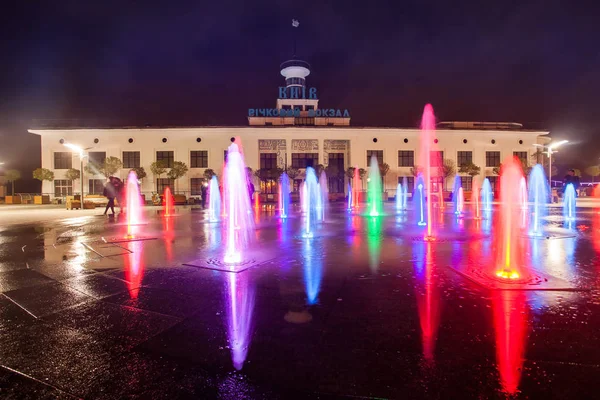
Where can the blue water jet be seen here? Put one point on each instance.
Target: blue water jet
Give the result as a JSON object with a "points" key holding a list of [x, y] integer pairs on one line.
{"points": [[538, 198], [284, 196], [420, 205], [455, 195], [569, 203], [486, 195]]}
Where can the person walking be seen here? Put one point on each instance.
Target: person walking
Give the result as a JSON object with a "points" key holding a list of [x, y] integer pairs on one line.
{"points": [[571, 179], [109, 193], [119, 192]]}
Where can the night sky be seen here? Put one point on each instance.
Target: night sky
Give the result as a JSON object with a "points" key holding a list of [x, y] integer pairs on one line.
{"points": [[194, 63]]}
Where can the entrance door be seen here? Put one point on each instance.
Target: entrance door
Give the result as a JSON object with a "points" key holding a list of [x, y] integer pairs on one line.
{"points": [[335, 172]]}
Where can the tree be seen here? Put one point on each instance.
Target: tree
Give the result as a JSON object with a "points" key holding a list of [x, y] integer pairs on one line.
{"points": [[209, 173], [293, 173], [73, 174], [158, 168], [108, 167], [140, 172], [470, 169], [11, 176], [318, 169], [593, 171], [361, 174], [350, 173], [416, 170], [43, 174], [178, 170], [383, 170], [448, 169]]}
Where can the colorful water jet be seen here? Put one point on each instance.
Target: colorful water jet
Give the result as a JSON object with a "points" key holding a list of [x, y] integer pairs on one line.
{"points": [[460, 202], [374, 189], [475, 198], [323, 196], [539, 197], [311, 201], [284, 195], [168, 203], [355, 184], [214, 200], [241, 306], [349, 197], [569, 203], [399, 198], [239, 224], [509, 251], [134, 204], [428, 160], [419, 201], [374, 240], [456, 196], [486, 195], [428, 297]]}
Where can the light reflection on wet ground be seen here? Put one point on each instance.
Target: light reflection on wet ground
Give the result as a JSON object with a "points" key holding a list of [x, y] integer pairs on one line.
{"points": [[362, 309]]}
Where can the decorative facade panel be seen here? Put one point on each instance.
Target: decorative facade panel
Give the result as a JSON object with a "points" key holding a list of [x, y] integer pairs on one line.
{"points": [[305, 145], [336, 145], [271, 144]]}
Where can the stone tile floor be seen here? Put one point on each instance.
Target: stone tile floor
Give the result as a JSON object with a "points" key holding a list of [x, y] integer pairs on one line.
{"points": [[362, 310]]}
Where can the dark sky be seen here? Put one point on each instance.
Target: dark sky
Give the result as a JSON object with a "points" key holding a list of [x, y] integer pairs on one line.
{"points": [[200, 62]]}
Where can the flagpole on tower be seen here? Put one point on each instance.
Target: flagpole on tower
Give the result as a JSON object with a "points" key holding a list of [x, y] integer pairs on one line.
{"points": [[295, 24]]}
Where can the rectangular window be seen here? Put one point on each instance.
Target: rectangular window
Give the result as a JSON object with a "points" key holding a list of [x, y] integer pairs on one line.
{"points": [[464, 158], [303, 160], [63, 160], [492, 158], [63, 187], [163, 183], [410, 183], [96, 186], [304, 121], [199, 159], [436, 158], [268, 186], [131, 159], [377, 153], [196, 186], [406, 158], [268, 160], [97, 157], [466, 183], [167, 157], [522, 156]]}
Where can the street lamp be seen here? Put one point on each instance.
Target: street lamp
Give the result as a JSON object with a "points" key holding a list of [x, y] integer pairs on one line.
{"points": [[81, 157], [550, 149]]}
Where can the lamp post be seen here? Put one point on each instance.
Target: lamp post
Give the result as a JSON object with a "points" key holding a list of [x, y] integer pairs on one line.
{"points": [[549, 150], [81, 157]]}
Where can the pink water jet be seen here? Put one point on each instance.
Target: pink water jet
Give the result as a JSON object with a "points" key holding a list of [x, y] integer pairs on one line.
{"points": [[134, 204], [475, 198], [509, 249], [241, 306], [430, 161], [356, 181], [168, 202]]}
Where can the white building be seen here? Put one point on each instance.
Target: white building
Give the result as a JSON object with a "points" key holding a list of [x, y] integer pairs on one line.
{"points": [[295, 134]]}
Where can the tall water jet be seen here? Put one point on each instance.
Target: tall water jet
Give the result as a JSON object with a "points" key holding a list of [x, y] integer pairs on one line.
{"points": [[475, 198], [214, 200], [404, 193], [455, 189], [374, 240], [284, 195], [486, 195], [420, 205], [134, 204], [374, 189], [538, 197], [356, 189], [569, 203], [349, 197], [237, 204], [311, 199], [324, 195], [509, 252], [440, 197], [428, 161], [241, 306], [460, 202], [399, 198], [303, 196], [168, 202]]}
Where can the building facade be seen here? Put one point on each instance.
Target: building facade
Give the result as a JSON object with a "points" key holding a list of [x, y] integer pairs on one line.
{"points": [[295, 134]]}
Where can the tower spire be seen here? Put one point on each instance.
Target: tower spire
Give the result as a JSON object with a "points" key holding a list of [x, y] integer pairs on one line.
{"points": [[295, 24]]}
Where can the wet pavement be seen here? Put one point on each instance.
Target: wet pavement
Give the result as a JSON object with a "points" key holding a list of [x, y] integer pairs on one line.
{"points": [[365, 309]]}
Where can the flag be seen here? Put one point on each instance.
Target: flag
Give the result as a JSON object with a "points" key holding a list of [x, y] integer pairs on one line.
{"points": [[295, 23]]}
